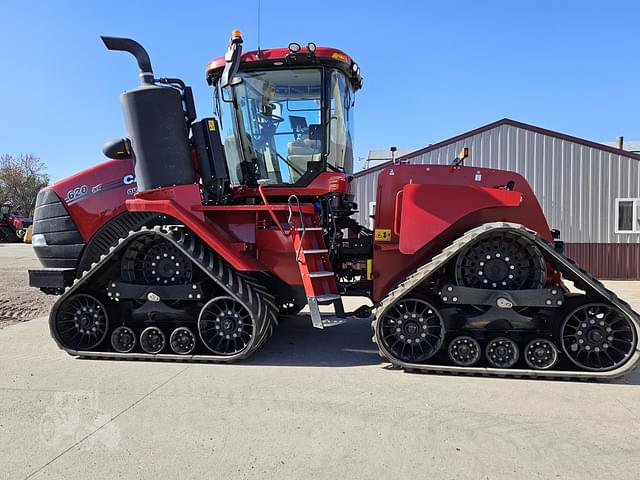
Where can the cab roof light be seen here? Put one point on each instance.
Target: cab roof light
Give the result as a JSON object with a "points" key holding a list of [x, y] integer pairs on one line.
{"points": [[236, 33], [311, 47], [339, 56], [294, 47]]}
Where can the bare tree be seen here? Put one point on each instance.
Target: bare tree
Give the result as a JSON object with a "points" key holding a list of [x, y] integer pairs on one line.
{"points": [[21, 178]]}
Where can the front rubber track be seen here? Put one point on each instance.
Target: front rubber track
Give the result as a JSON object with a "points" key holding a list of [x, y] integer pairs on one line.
{"points": [[243, 288]]}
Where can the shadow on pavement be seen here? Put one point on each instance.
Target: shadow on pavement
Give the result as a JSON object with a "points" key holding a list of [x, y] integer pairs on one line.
{"points": [[296, 343]]}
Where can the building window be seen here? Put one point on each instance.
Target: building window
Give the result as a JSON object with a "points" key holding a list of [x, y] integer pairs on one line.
{"points": [[628, 215]]}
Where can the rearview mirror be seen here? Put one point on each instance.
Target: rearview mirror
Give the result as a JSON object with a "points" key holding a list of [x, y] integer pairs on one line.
{"points": [[118, 149]]}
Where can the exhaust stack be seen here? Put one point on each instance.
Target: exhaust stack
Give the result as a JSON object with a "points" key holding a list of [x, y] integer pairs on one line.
{"points": [[135, 49], [157, 125]]}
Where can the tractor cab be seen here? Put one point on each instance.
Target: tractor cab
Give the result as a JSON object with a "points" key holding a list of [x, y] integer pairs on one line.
{"points": [[286, 114]]}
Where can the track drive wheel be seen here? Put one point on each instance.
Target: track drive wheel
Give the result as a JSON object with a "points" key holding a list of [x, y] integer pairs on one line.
{"points": [[411, 330], [502, 260], [155, 261]]}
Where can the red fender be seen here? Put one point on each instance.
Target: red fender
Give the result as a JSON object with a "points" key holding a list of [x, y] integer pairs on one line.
{"points": [[422, 213]]}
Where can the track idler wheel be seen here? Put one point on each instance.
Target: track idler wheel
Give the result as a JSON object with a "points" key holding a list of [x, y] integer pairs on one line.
{"points": [[182, 341], [541, 354], [502, 352], [81, 322], [464, 351], [598, 337], [152, 340], [226, 327], [412, 330], [123, 339]]}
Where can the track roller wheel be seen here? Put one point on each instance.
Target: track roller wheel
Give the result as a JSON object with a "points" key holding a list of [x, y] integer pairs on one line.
{"points": [[152, 340], [412, 330], [123, 339], [464, 351], [225, 326], [81, 322], [182, 341], [502, 352], [541, 354], [598, 337]]}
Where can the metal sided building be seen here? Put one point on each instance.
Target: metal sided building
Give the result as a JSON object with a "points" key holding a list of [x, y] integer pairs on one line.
{"points": [[589, 191]]}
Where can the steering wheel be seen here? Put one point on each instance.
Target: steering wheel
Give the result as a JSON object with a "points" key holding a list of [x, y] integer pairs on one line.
{"points": [[275, 120]]}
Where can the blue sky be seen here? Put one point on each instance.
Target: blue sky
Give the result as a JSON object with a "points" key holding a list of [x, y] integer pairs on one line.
{"points": [[432, 70]]}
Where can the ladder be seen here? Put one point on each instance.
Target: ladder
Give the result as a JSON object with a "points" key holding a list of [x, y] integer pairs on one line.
{"points": [[312, 257]]}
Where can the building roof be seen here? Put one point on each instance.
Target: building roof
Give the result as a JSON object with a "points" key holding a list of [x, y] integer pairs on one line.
{"points": [[629, 145], [499, 123], [386, 154]]}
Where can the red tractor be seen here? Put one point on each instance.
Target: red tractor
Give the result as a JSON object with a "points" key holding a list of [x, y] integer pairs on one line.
{"points": [[197, 235]]}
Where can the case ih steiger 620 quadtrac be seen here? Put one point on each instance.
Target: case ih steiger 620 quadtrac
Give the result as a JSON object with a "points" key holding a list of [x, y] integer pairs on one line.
{"points": [[189, 244]]}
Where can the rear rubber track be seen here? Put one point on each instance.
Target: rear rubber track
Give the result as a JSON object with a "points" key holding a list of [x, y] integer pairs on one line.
{"points": [[241, 287], [566, 266]]}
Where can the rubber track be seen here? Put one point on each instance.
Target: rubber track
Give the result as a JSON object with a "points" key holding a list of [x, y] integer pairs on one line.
{"points": [[567, 266], [241, 287]]}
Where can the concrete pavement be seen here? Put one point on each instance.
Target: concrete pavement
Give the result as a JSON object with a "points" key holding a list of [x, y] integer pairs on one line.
{"points": [[309, 404]]}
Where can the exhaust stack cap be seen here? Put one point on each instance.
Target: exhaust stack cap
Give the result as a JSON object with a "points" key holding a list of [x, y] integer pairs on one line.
{"points": [[135, 49]]}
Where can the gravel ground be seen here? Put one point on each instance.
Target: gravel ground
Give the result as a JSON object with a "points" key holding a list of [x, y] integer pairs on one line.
{"points": [[18, 301]]}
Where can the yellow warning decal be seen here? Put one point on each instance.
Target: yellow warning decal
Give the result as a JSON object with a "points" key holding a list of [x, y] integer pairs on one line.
{"points": [[382, 234], [369, 269], [212, 125]]}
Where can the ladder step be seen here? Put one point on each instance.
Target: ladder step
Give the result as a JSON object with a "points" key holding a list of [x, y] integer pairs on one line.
{"points": [[332, 321], [320, 320], [329, 297], [311, 229], [320, 274], [315, 251]]}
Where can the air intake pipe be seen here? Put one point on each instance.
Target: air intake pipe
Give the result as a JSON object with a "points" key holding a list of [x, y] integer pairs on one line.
{"points": [[157, 125]]}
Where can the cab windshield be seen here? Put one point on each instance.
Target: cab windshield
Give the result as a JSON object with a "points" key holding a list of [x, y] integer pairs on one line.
{"points": [[284, 129]]}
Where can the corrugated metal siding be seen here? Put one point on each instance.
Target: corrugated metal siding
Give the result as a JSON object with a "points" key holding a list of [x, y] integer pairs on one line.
{"points": [[607, 260], [576, 185], [364, 189]]}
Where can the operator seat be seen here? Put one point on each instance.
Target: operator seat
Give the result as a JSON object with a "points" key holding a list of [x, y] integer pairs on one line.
{"points": [[302, 151]]}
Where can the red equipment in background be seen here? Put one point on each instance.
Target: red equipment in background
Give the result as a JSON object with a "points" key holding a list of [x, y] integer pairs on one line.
{"points": [[12, 223], [193, 249]]}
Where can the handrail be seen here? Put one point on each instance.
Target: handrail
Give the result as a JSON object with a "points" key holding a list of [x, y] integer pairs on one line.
{"points": [[291, 224], [271, 212], [397, 213]]}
